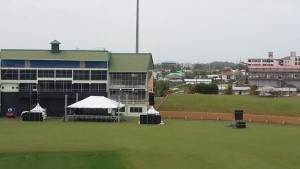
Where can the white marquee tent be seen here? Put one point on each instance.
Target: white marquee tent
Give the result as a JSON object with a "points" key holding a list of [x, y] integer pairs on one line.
{"points": [[37, 109], [96, 102]]}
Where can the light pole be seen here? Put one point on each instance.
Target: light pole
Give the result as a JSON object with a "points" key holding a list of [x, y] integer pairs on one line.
{"points": [[0, 89], [137, 27]]}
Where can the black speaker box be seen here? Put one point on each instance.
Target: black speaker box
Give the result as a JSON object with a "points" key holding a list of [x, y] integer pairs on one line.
{"points": [[32, 117], [240, 124], [151, 99], [150, 119], [143, 119], [238, 114]]}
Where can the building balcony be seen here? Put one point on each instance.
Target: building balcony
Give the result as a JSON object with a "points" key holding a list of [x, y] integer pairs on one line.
{"points": [[127, 86]]}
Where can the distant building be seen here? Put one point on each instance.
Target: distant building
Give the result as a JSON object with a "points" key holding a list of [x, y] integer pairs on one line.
{"points": [[278, 73], [231, 75], [197, 81], [235, 90], [172, 63], [212, 76], [175, 77], [270, 61]]}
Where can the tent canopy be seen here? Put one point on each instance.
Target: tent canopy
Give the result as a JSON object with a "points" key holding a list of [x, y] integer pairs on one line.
{"points": [[96, 102], [37, 109]]}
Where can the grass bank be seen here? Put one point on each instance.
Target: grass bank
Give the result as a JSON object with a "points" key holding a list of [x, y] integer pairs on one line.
{"points": [[282, 106]]}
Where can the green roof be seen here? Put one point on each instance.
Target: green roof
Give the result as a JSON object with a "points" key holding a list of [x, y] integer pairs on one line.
{"points": [[174, 75], [73, 55], [130, 62]]}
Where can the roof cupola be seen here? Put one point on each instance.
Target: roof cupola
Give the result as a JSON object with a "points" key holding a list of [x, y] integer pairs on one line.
{"points": [[55, 46]]}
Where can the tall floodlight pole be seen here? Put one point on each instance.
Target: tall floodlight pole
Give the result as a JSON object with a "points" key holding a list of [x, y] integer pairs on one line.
{"points": [[137, 27]]}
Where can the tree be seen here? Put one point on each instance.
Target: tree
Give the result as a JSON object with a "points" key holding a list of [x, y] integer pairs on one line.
{"points": [[202, 88], [161, 87], [203, 74], [228, 89], [189, 75], [189, 89], [253, 89]]}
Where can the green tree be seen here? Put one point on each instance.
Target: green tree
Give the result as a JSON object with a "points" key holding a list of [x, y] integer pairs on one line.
{"points": [[253, 89], [161, 87], [202, 88], [189, 89], [189, 75], [203, 74], [228, 89]]}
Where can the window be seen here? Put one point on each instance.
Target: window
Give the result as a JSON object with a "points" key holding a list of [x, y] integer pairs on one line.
{"points": [[122, 109], [63, 73], [98, 75], [46, 73], [136, 109], [9, 74], [98, 87], [128, 79], [138, 95], [28, 74], [81, 75]]}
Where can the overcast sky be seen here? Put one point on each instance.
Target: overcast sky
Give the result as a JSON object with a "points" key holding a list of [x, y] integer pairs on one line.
{"points": [[172, 30]]}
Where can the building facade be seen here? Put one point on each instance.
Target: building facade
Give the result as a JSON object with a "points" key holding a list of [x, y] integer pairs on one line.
{"points": [[284, 72], [76, 73], [269, 61]]}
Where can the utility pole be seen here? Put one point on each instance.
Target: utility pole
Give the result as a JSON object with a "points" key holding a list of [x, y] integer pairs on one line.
{"points": [[137, 27]]}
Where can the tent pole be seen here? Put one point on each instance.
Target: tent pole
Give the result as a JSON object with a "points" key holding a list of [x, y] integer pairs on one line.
{"points": [[126, 106], [66, 105], [119, 108]]}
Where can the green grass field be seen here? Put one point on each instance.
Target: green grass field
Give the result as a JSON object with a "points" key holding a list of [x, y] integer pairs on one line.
{"points": [[283, 106], [180, 144]]}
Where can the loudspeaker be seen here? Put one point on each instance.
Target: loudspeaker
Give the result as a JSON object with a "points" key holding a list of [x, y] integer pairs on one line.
{"points": [[238, 115], [150, 119], [151, 99], [240, 124], [143, 119], [32, 117]]}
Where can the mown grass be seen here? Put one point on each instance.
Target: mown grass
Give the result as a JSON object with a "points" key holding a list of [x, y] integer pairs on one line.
{"points": [[283, 106], [179, 144], [61, 160]]}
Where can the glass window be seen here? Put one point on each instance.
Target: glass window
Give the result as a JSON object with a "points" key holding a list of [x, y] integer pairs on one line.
{"points": [[122, 109], [136, 109], [28, 74], [98, 75], [9, 74], [63, 73], [81, 75], [46, 73], [128, 79]]}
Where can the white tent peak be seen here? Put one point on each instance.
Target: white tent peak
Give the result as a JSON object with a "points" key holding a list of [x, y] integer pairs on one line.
{"points": [[37, 108], [96, 102], [152, 111]]}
